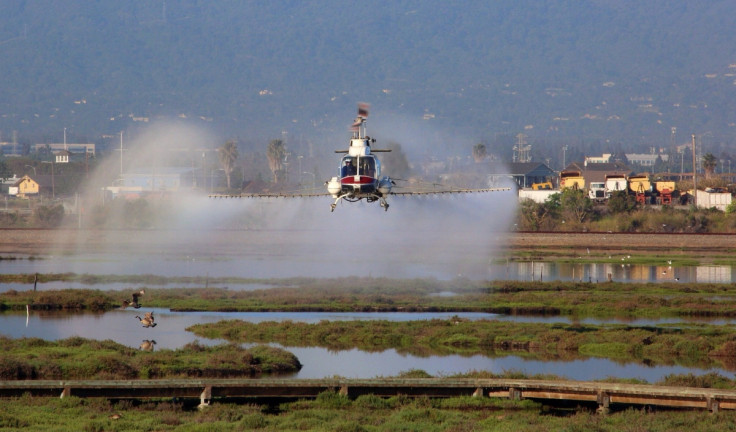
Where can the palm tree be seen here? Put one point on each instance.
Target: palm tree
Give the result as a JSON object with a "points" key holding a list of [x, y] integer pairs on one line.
{"points": [[276, 153], [228, 154], [710, 162]]}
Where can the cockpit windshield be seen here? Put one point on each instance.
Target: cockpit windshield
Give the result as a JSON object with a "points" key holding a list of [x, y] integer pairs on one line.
{"points": [[367, 166], [359, 165]]}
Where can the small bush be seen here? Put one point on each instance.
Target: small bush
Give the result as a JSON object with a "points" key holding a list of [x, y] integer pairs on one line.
{"points": [[332, 400], [414, 373], [371, 401], [254, 421], [709, 380], [49, 216]]}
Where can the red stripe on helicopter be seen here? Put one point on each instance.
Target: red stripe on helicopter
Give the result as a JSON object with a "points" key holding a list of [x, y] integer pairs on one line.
{"points": [[360, 180]]}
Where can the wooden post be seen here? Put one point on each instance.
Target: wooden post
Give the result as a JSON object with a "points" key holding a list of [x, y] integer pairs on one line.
{"points": [[514, 393], [205, 397], [604, 400]]}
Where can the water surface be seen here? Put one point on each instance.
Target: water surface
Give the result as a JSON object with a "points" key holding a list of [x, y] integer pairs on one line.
{"points": [[122, 326], [251, 267]]}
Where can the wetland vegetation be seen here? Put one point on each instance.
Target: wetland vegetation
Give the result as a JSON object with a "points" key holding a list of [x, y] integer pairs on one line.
{"points": [[555, 298], [333, 412], [78, 358], [694, 345]]}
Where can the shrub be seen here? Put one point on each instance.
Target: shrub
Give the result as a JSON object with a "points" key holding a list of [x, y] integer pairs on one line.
{"points": [[371, 401], [332, 400], [254, 421], [49, 217], [709, 380], [731, 208]]}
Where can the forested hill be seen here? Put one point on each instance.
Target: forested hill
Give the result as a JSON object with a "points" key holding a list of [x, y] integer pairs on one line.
{"points": [[610, 69]]}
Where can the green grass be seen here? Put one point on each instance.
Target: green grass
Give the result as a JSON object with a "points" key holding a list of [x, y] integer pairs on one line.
{"points": [[78, 358], [573, 299], [697, 345], [331, 412]]}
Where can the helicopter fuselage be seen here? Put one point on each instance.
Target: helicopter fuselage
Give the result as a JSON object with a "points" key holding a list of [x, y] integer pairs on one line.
{"points": [[359, 175]]}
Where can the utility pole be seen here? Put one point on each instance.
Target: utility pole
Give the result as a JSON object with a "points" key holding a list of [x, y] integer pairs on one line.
{"points": [[695, 181], [121, 154]]}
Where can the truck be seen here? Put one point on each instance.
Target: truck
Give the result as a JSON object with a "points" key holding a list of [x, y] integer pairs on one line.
{"points": [[542, 186], [640, 186], [597, 191], [664, 190], [614, 183], [572, 179]]}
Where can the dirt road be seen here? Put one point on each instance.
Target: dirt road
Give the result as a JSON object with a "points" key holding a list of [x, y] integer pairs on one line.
{"points": [[641, 243]]}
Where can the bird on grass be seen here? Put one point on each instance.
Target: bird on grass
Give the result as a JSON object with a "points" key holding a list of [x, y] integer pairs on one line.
{"points": [[147, 345]]}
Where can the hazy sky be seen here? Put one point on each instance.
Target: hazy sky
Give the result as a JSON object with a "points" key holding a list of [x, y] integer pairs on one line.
{"points": [[468, 70]]}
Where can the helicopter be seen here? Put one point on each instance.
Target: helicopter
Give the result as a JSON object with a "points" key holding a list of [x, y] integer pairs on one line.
{"points": [[360, 176], [360, 171]]}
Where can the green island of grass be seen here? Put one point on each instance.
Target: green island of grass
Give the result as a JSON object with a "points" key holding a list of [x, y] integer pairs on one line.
{"points": [[79, 358], [692, 345], [555, 298]]}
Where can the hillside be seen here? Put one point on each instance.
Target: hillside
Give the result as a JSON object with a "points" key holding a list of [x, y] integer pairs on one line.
{"points": [[622, 71]]}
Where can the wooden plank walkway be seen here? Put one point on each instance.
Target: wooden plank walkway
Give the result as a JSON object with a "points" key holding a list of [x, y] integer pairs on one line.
{"points": [[604, 394]]}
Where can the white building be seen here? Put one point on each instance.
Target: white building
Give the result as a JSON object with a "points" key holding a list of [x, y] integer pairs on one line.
{"points": [[646, 159], [605, 158]]}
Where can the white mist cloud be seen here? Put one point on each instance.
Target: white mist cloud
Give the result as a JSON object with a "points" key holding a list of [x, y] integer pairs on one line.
{"points": [[431, 236]]}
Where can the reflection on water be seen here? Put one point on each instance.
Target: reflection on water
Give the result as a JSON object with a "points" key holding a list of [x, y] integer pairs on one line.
{"points": [[117, 286], [122, 326], [599, 272], [256, 268], [252, 266], [321, 363]]}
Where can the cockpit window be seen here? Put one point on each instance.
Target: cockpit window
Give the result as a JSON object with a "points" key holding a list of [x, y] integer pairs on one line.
{"points": [[367, 166]]}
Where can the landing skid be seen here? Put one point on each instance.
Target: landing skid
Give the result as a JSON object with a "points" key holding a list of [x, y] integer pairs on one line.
{"points": [[384, 204], [337, 200]]}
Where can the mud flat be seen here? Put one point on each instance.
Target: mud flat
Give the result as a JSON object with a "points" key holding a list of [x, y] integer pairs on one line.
{"points": [[698, 245]]}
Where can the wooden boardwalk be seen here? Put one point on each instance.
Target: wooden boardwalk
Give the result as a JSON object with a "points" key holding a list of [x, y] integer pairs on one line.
{"points": [[602, 394]]}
